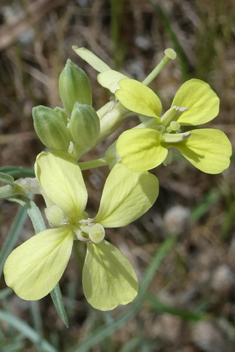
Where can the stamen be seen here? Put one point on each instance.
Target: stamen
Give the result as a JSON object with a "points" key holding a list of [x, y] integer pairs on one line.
{"points": [[172, 115], [175, 138]]}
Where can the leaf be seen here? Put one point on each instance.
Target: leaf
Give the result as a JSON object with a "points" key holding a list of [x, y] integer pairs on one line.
{"points": [[17, 171], [33, 269], [139, 98], [201, 101], [108, 278], [61, 180], [141, 149], [209, 150], [58, 303], [32, 210], [7, 179], [27, 331], [12, 236]]}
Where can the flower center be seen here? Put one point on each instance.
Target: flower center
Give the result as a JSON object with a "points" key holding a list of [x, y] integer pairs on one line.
{"points": [[172, 115], [89, 231]]}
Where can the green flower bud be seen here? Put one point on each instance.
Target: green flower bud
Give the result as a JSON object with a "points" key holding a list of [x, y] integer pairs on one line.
{"points": [[50, 128], [74, 86], [63, 114], [84, 125]]}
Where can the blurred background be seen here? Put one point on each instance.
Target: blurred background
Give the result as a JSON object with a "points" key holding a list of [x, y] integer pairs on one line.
{"points": [[183, 249]]}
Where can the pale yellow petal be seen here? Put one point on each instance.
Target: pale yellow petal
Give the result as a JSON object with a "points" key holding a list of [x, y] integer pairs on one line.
{"points": [[209, 150], [109, 79], [108, 278], [201, 101], [127, 195], [33, 269], [141, 149], [137, 97], [91, 59], [61, 179]]}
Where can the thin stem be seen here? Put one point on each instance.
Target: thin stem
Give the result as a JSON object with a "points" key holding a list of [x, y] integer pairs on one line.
{"points": [[170, 54], [85, 165]]}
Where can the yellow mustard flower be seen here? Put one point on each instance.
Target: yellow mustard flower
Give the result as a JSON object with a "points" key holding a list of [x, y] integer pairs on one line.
{"points": [[194, 104], [35, 267]]}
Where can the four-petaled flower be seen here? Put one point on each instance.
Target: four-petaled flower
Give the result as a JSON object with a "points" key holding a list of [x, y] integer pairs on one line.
{"points": [[194, 104], [35, 267]]}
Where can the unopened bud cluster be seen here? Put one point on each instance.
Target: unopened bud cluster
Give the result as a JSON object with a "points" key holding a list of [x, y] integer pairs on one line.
{"points": [[76, 127]]}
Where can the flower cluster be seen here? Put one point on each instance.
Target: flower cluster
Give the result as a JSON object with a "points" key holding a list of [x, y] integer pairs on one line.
{"points": [[35, 267]]}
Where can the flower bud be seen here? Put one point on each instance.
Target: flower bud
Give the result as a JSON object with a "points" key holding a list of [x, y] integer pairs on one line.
{"points": [[50, 128], [74, 86], [84, 125], [63, 114]]}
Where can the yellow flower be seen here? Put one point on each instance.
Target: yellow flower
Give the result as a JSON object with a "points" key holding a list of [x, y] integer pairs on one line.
{"points": [[35, 267], [194, 104]]}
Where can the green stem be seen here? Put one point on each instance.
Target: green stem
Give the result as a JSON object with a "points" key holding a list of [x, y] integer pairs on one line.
{"points": [[85, 165], [170, 54]]}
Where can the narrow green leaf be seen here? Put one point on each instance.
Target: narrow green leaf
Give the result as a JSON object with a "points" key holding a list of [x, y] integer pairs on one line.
{"points": [[58, 303], [5, 178], [167, 23], [154, 265], [132, 345], [18, 171], [164, 308], [6, 191], [36, 316], [33, 212], [5, 293], [27, 331], [228, 222], [13, 235], [209, 200], [14, 347]]}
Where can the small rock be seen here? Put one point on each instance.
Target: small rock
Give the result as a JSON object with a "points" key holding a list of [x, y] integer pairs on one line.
{"points": [[223, 278], [168, 327], [208, 337], [143, 43], [136, 69], [176, 220]]}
